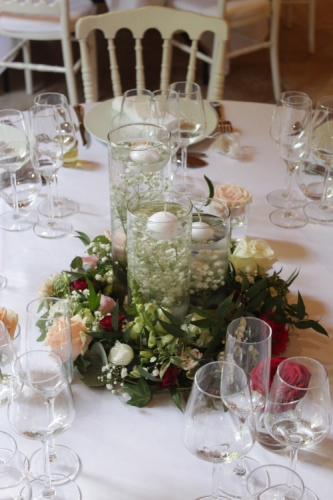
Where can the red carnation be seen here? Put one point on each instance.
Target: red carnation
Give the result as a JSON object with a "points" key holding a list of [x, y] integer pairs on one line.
{"points": [[106, 323], [280, 335], [170, 377], [79, 285]]}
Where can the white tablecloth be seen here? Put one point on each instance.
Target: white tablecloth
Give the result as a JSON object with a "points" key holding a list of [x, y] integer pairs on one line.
{"points": [[130, 453]]}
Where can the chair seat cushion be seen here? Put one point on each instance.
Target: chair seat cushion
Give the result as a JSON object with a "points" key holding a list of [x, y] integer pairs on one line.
{"points": [[49, 24]]}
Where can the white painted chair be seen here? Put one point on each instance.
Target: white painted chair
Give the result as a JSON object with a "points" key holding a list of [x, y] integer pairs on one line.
{"points": [[167, 22], [254, 25], [131, 4], [42, 20], [311, 21]]}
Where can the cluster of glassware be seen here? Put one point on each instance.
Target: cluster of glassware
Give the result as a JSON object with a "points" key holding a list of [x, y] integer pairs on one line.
{"points": [[33, 148], [35, 383], [231, 405], [299, 132]]}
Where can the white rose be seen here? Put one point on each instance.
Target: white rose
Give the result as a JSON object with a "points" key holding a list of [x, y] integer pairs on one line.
{"points": [[121, 354], [233, 195], [189, 362], [251, 256]]}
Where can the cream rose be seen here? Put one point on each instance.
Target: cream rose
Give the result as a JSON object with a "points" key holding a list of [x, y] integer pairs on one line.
{"points": [[253, 256], [9, 319], [121, 354], [46, 289], [190, 362], [232, 195]]}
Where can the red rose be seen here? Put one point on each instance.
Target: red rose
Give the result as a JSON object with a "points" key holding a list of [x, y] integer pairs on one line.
{"points": [[170, 377], [79, 285], [106, 323], [296, 376], [258, 374], [280, 335]]}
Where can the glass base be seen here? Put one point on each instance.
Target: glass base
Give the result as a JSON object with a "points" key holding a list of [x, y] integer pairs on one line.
{"points": [[65, 491], [232, 484], [209, 497], [188, 190], [278, 199], [22, 221], [65, 465], [314, 211], [63, 207], [52, 229], [3, 281], [309, 495], [290, 219]]}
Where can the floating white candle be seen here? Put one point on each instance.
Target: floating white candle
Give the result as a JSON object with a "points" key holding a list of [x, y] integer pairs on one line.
{"points": [[144, 154], [201, 231], [164, 223]]}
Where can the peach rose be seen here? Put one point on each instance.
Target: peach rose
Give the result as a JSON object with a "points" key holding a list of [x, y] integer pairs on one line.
{"points": [[80, 340], [107, 304], [10, 320], [92, 260], [55, 337], [233, 195]]}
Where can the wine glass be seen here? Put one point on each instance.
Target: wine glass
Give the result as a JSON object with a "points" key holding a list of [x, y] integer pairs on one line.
{"points": [[322, 148], [278, 197], [248, 345], [3, 281], [14, 154], [47, 158], [62, 206], [14, 483], [48, 328], [192, 126], [41, 407], [218, 424], [294, 148], [298, 409], [136, 107], [7, 358]]}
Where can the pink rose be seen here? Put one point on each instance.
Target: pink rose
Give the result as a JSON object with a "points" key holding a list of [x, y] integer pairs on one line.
{"points": [[106, 305], [9, 319], [232, 195], [119, 248], [92, 260]]}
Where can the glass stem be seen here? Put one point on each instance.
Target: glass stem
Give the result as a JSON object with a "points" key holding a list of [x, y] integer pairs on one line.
{"points": [[286, 185], [52, 453], [323, 202], [216, 481], [288, 191], [289, 495], [15, 200], [48, 492], [56, 195], [50, 199], [240, 470], [184, 165]]}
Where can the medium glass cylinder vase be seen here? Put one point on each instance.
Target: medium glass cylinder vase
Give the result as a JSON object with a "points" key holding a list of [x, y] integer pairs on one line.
{"points": [[159, 249], [139, 162]]}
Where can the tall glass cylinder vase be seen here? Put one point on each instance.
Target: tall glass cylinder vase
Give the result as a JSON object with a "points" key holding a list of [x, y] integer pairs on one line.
{"points": [[139, 162], [210, 245], [159, 249]]}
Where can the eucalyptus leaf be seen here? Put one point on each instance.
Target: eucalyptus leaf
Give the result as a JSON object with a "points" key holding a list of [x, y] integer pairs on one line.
{"points": [[210, 187], [83, 237]]}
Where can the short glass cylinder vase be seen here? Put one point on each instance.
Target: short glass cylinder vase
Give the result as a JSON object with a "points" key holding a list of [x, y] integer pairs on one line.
{"points": [[159, 249], [139, 162], [209, 256]]}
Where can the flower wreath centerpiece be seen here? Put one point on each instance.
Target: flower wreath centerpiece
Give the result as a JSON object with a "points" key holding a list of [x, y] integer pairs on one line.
{"points": [[141, 348]]}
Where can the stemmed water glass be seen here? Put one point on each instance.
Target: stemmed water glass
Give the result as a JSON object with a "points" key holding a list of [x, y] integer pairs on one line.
{"points": [[294, 148], [48, 328], [248, 345], [14, 483], [14, 154], [136, 107], [47, 158], [62, 206], [41, 407], [298, 409], [192, 126], [218, 424], [278, 197], [322, 148]]}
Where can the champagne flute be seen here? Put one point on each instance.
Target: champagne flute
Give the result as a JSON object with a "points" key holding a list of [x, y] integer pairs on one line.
{"points": [[47, 158], [298, 409], [294, 148], [48, 328], [41, 407], [14, 483], [278, 197], [192, 126], [62, 206], [322, 148], [218, 424], [14, 154], [248, 345]]}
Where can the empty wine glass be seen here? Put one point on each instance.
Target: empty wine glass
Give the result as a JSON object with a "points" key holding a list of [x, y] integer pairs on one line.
{"points": [[248, 345], [322, 148], [298, 409], [294, 148], [7, 358], [48, 328], [218, 424], [14, 483], [192, 126], [3, 281], [136, 107], [41, 407], [62, 206], [278, 197], [14, 154], [47, 158]]}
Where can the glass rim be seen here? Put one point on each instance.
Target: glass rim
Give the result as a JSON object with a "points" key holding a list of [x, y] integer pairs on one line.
{"points": [[293, 358], [159, 193], [18, 363], [322, 100], [116, 144], [63, 98], [15, 112], [194, 85], [270, 330], [49, 300], [288, 470], [221, 363], [220, 202], [15, 447]]}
